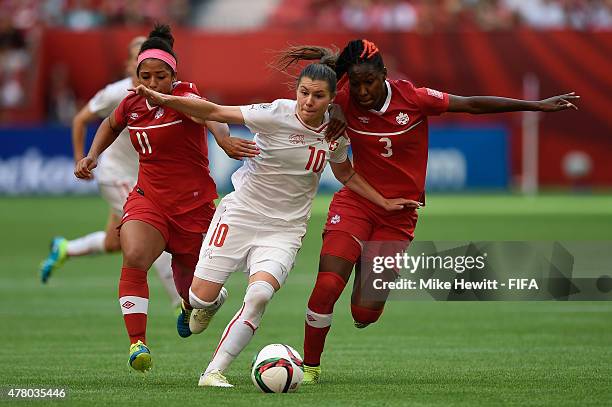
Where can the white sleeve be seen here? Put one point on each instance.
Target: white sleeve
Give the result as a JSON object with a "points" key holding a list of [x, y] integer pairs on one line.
{"points": [[339, 154], [261, 117], [107, 99]]}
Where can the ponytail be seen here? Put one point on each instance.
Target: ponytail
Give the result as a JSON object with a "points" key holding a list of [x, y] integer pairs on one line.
{"points": [[356, 52]]}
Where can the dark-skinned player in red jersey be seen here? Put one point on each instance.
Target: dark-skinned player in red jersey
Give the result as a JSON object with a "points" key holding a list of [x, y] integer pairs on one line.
{"points": [[171, 206], [387, 125]]}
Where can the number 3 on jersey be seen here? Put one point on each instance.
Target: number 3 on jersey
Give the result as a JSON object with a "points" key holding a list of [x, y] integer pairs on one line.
{"points": [[316, 161], [144, 139], [388, 150]]}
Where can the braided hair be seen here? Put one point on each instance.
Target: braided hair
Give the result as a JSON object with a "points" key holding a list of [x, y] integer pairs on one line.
{"points": [[356, 52]]}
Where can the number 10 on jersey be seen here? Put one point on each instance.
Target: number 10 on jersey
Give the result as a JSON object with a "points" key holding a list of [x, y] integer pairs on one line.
{"points": [[316, 161]]}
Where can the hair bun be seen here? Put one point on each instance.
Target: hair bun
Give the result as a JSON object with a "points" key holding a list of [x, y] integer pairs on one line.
{"points": [[162, 31]]}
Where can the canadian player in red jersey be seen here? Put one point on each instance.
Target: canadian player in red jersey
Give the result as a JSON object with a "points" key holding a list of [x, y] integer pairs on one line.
{"points": [[171, 206], [387, 126]]}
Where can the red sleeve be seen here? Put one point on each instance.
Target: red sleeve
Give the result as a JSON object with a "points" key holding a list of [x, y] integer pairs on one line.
{"points": [[432, 102], [120, 115], [188, 89]]}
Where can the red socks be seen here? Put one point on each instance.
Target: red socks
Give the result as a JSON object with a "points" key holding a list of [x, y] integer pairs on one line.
{"points": [[134, 302], [326, 292]]}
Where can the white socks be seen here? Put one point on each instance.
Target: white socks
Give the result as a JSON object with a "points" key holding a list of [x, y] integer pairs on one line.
{"points": [[198, 303], [243, 325], [163, 266], [92, 243]]}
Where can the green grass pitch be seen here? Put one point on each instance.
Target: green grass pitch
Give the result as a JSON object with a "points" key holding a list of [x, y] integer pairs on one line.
{"points": [[69, 334]]}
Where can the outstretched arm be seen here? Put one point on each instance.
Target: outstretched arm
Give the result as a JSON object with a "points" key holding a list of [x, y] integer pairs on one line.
{"points": [[494, 104], [345, 173], [107, 133], [197, 108]]}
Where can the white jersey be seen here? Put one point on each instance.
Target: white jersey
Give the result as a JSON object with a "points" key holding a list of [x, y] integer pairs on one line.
{"points": [[120, 161], [283, 179]]}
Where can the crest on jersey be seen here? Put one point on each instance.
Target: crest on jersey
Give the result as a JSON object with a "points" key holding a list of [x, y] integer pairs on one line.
{"points": [[296, 139], [364, 119], [134, 116], [402, 118], [333, 146], [159, 113], [261, 106], [335, 219]]}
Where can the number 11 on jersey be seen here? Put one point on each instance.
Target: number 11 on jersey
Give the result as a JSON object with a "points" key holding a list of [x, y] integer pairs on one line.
{"points": [[145, 138]]}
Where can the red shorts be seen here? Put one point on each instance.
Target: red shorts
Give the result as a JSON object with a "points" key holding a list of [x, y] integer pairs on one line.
{"points": [[364, 222], [183, 244]]}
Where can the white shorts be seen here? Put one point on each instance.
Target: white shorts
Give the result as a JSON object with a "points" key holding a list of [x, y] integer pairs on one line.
{"points": [[239, 239], [116, 193]]}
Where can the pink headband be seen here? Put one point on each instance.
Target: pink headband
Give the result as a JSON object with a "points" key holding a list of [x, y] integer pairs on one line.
{"points": [[158, 54]]}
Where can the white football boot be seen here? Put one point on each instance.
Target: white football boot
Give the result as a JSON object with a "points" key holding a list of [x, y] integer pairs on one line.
{"points": [[213, 379], [200, 318]]}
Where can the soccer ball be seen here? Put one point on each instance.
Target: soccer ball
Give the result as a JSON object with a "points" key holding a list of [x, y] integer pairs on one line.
{"points": [[277, 368]]}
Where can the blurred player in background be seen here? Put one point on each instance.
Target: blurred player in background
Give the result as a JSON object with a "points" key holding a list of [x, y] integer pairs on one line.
{"points": [[116, 176], [260, 226], [388, 131], [172, 203]]}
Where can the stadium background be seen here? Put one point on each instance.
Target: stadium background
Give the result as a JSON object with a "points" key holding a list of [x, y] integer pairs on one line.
{"points": [[55, 54]]}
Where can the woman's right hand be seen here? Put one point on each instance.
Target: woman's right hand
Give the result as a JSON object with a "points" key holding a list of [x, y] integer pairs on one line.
{"points": [[337, 124], [83, 168], [396, 204], [238, 148], [153, 97]]}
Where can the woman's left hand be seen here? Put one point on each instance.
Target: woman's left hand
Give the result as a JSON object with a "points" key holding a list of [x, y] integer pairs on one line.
{"points": [[557, 103]]}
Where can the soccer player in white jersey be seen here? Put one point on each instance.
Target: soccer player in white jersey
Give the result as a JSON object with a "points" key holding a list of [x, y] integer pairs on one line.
{"points": [[116, 175], [259, 227]]}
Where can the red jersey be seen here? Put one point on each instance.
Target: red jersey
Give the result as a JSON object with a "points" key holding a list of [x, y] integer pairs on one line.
{"points": [[173, 155], [390, 146]]}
